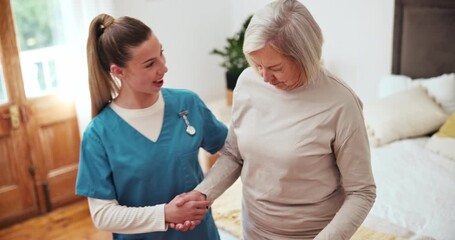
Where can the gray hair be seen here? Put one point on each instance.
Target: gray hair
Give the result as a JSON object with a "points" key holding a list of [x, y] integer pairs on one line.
{"points": [[288, 27]]}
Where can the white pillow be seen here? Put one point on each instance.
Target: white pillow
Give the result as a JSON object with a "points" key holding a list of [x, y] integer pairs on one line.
{"points": [[441, 88], [405, 114]]}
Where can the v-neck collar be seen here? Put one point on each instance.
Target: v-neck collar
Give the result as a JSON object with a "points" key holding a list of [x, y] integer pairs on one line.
{"points": [[164, 127]]}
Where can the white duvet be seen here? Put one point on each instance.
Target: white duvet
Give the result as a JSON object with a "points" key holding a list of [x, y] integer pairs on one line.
{"points": [[415, 188]]}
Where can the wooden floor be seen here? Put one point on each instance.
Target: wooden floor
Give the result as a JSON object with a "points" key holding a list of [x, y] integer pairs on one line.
{"points": [[71, 222], [74, 223]]}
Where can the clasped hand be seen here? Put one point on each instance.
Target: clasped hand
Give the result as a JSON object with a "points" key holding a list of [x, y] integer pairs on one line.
{"points": [[186, 210]]}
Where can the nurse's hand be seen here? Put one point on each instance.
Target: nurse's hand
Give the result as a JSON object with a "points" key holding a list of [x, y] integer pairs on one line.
{"points": [[187, 225], [186, 216]]}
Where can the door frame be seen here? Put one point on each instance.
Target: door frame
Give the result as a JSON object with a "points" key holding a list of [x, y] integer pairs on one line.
{"points": [[12, 75]]}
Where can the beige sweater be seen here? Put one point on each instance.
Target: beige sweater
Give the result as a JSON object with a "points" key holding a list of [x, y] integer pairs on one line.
{"points": [[303, 157]]}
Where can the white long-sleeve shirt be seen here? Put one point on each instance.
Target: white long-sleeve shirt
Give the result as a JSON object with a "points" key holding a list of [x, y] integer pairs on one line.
{"points": [[109, 215], [303, 157]]}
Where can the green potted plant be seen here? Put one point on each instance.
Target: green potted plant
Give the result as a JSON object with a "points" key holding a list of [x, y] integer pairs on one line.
{"points": [[233, 58]]}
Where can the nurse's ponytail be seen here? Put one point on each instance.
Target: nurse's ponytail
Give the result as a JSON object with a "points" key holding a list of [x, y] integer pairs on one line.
{"points": [[108, 43]]}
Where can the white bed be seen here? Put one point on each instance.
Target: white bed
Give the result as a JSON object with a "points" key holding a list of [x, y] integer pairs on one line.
{"points": [[415, 188], [411, 129], [414, 168]]}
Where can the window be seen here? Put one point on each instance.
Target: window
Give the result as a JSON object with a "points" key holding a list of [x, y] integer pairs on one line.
{"points": [[41, 38]]}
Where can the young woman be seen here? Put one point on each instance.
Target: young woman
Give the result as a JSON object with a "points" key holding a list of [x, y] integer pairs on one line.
{"points": [[141, 148]]}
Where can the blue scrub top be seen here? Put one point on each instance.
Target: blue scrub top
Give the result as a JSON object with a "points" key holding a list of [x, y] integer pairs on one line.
{"points": [[118, 162]]}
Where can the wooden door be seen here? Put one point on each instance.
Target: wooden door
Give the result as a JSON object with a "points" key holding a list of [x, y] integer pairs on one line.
{"points": [[53, 135], [39, 146]]}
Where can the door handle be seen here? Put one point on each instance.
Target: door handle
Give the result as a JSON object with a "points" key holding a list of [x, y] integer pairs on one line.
{"points": [[13, 116]]}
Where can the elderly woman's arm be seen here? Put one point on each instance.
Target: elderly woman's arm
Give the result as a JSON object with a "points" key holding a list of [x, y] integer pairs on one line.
{"points": [[353, 161], [225, 171]]}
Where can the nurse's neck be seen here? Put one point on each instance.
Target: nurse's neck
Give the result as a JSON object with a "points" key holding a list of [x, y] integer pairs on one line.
{"points": [[137, 100]]}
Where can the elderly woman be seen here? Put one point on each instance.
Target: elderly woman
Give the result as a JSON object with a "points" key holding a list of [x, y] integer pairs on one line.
{"points": [[297, 137]]}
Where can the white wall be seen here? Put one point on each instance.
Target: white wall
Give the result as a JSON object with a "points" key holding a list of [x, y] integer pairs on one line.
{"points": [[358, 40]]}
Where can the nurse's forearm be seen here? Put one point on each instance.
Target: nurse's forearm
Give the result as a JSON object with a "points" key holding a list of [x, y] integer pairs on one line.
{"points": [[109, 216]]}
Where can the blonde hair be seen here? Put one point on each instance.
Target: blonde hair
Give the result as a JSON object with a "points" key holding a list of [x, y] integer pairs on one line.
{"points": [[109, 42], [288, 27]]}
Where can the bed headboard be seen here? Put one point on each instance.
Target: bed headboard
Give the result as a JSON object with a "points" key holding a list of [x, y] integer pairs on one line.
{"points": [[424, 38]]}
